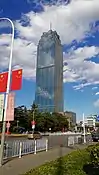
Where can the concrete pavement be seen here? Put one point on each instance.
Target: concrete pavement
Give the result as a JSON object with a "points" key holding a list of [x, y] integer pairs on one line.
{"points": [[20, 166]]}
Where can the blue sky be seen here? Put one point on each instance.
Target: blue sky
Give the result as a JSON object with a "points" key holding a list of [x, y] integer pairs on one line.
{"points": [[77, 23]]}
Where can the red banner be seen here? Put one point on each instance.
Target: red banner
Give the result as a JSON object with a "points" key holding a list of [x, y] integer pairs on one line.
{"points": [[16, 82], [3, 81], [10, 107]]}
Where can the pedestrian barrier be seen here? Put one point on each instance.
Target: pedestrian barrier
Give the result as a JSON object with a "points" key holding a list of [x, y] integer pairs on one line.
{"points": [[20, 148], [72, 140]]}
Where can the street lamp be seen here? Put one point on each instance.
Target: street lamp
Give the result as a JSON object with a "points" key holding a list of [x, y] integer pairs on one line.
{"points": [[34, 109], [33, 126], [17, 123], [84, 128], [7, 92]]}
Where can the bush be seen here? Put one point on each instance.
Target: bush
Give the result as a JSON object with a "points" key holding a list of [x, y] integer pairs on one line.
{"points": [[89, 148], [94, 155], [72, 164]]}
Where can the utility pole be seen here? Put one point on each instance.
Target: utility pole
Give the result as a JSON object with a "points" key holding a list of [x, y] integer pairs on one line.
{"points": [[17, 123], [84, 128], [7, 93], [33, 126]]}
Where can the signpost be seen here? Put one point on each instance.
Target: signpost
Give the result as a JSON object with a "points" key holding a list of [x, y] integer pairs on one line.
{"points": [[33, 123], [33, 126]]}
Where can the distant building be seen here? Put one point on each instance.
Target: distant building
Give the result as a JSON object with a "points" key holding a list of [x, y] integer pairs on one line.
{"points": [[71, 117], [90, 121], [49, 73]]}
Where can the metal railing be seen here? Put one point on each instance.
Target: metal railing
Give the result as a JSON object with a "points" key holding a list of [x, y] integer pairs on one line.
{"points": [[20, 148]]}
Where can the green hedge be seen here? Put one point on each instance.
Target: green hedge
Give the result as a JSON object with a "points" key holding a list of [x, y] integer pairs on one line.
{"points": [[94, 154], [71, 164]]}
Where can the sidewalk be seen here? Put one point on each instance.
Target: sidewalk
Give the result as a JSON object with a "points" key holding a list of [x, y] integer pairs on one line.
{"points": [[20, 166]]}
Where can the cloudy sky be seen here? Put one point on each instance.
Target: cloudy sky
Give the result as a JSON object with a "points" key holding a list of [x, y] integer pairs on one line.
{"points": [[77, 23]]}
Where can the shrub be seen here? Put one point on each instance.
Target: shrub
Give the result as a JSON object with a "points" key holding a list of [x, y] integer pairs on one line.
{"points": [[94, 155], [72, 164], [89, 148]]}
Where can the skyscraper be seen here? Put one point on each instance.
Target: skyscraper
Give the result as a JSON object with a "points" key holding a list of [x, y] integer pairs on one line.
{"points": [[49, 73]]}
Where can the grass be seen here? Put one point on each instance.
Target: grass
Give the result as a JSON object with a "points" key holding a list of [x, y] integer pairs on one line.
{"points": [[71, 164]]}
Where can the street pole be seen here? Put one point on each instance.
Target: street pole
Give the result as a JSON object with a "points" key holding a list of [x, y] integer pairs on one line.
{"points": [[17, 123], [84, 128], [33, 120], [94, 124], [7, 92]]}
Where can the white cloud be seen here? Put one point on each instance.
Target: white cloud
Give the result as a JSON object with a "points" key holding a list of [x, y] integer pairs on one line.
{"points": [[72, 22], [27, 53], [5, 39], [81, 68], [97, 93], [94, 88], [96, 103], [24, 56]]}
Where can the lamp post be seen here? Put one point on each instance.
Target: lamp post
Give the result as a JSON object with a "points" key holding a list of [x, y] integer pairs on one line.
{"points": [[7, 91], [84, 128], [17, 123], [33, 126]]}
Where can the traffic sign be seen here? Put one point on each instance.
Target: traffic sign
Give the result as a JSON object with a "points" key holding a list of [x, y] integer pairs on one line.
{"points": [[33, 126], [33, 122]]}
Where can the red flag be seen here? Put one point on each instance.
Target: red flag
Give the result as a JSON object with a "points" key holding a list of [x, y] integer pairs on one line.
{"points": [[16, 82], [3, 81]]}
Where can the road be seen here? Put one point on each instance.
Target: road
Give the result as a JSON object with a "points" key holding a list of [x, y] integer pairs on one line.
{"points": [[28, 146], [11, 138]]}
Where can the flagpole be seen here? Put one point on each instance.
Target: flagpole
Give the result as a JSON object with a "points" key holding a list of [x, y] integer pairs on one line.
{"points": [[7, 92]]}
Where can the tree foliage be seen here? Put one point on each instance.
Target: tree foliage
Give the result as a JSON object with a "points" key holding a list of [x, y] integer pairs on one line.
{"points": [[44, 121], [94, 154]]}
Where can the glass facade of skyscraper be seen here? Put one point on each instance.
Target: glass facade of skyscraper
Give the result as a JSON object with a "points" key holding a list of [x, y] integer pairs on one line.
{"points": [[49, 73]]}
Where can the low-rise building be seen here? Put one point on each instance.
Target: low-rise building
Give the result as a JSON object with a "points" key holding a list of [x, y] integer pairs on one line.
{"points": [[71, 116], [90, 121]]}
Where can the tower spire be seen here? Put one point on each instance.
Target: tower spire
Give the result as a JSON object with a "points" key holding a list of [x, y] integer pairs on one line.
{"points": [[50, 25]]}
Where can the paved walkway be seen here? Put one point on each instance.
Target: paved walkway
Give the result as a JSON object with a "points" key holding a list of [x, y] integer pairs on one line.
{"points": [[20, 166]]}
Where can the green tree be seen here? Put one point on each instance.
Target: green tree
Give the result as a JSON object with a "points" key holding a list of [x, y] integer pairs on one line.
{"points": [[55, 121], [44, 121], [60, 122], [20, 116]]}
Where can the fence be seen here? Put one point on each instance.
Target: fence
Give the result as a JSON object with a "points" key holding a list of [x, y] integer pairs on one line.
{"points": [[20, 148]]}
